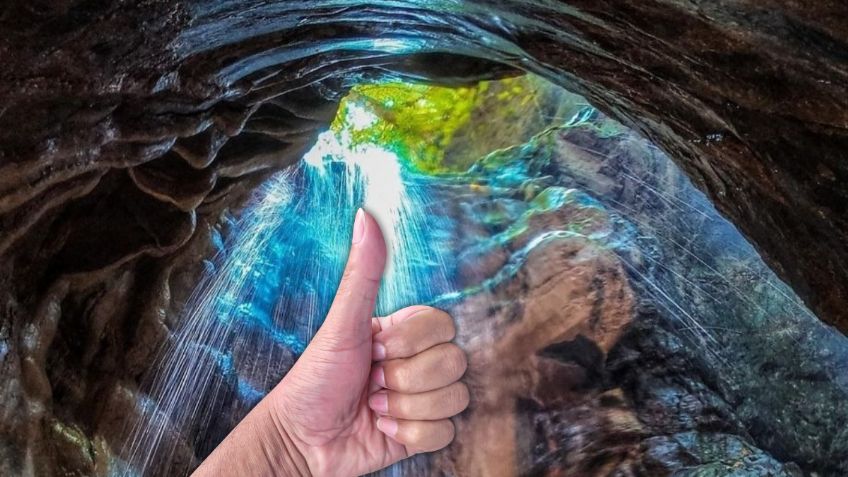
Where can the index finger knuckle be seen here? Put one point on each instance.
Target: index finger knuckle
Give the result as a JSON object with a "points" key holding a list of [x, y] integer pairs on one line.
{"points": [[455, 361]]}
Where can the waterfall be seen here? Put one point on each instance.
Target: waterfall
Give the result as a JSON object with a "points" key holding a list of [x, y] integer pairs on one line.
{"points": [[565, 212], [272, 284]]}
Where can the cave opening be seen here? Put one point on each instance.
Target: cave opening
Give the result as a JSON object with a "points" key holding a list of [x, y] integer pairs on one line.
{"points": [[615, 321]]}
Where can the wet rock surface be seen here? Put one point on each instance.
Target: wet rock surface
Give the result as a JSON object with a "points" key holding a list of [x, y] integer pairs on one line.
{"points": [[748, 97], [584, 358], [620, 385], [127, 130], [561, 313]]}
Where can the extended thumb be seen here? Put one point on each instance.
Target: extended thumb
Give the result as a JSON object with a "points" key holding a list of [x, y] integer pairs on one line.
{"points": [[352, 309]]}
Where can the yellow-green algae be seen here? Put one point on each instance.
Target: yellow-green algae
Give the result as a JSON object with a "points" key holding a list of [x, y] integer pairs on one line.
{"points": [[436, 129], [415, 121]]}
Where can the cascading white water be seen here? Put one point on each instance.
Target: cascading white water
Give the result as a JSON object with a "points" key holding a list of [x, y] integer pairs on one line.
{"points": [[462, 240], [273, 284]]}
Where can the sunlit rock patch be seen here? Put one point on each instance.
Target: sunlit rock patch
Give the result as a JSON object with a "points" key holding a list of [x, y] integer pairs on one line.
{"points": [[615, 323]]}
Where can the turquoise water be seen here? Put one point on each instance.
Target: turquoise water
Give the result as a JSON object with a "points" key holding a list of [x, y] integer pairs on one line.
{"points": [[270, 288], [267, 292]]}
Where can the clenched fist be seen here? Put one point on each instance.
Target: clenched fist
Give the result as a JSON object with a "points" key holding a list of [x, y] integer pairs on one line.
{"points": [[366, 393]]}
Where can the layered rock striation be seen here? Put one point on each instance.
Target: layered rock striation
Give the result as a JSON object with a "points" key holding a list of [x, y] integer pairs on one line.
{"points": [[127, 130]]}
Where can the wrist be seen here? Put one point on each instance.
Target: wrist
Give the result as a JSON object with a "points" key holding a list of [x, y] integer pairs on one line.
{"points": [[293, 461], [260, 445], [308, 453]]}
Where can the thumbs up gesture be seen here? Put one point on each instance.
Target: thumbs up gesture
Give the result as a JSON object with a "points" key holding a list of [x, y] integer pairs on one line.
{"points": [[367, 391]]}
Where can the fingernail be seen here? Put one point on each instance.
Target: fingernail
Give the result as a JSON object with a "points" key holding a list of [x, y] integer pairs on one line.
{"points": [[378, 352], [379, 376], [388, 426], [359, 226], [379, 402]]}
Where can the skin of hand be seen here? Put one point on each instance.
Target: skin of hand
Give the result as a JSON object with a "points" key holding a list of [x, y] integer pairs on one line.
{"points": [[366, 393]]}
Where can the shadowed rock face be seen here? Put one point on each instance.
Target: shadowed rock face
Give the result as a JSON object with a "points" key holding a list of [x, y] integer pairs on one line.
{"points": [[577, 368], [549, 334], [748, 97], [126, 130]]}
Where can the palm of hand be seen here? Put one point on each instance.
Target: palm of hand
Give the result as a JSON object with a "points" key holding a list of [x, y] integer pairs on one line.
{"points": [[325, 404]]}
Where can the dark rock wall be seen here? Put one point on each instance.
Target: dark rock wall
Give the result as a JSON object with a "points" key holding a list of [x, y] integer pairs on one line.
{"points": [[127, 128], [748, 96], [750, 99]]}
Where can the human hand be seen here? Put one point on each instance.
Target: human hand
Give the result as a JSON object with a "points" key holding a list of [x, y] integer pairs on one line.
{"points": [[366, 393]]}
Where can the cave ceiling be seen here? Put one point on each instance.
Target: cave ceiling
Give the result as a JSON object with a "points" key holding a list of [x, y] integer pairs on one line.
{"points": [[167, 107], [126, 128], [138, 119]]}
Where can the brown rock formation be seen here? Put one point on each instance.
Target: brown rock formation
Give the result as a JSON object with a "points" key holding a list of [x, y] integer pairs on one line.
{"points": [[127, 128], [748, 97], [544, 342]]}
